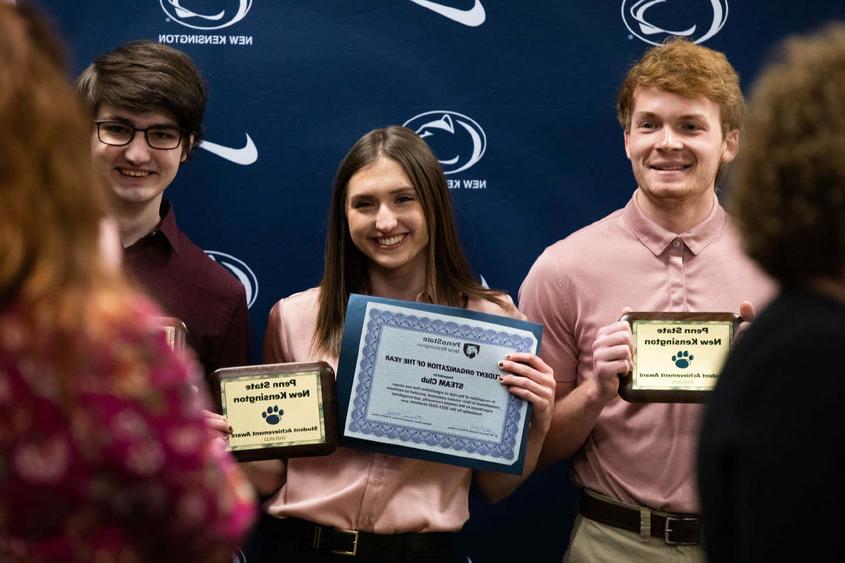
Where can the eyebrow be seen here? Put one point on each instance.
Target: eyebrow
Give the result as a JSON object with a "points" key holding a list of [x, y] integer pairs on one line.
{"points": [[652, 115], [394, 191], [127, 121]]}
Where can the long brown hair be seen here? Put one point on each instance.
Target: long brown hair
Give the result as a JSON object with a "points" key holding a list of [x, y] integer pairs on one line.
{"points": [[52, 273], [449, 279]]}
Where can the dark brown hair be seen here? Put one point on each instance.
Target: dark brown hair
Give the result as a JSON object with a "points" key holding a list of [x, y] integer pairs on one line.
{"points": [[145, 76], [449, 278], [788, 188]]}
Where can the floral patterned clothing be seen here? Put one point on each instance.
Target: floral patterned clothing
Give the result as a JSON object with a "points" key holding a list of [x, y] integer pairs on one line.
{"points": [[113, 462]]}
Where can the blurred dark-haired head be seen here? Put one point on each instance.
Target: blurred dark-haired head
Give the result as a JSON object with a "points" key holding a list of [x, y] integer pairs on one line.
{"points": [[788, 190]]}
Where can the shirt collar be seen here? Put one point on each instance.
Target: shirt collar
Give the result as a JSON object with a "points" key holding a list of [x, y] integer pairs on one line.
{"points": [[167, 226], [657, 239]]}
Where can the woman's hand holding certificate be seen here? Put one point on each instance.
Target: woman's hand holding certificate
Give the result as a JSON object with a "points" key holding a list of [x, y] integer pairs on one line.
{"points": [[531, 379]]}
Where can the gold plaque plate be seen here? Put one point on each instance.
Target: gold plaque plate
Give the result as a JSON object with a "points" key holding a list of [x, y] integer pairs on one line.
{"points": [[278, 410], [677, 356]]}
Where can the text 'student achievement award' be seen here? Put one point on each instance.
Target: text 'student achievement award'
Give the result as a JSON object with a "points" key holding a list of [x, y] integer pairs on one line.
{"points": [[677, 356], [278, 410], [420, 380]]}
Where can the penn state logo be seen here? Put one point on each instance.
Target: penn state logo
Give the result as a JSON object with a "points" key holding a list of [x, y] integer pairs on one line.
{"points": [[471, 350], [457, 140], [653, 21], [206, 15], [240, 270]]}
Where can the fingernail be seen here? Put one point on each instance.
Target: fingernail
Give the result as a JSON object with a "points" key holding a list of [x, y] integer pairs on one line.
{"points": [[231, 430], [501, 364], [501, 378]]}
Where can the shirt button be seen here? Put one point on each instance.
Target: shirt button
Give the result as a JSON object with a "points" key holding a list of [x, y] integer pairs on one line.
{"points": [[377, 482], [676, 243]]}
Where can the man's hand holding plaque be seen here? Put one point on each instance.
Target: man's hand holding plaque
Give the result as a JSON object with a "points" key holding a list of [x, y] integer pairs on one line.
{"points": [[677, 357]]}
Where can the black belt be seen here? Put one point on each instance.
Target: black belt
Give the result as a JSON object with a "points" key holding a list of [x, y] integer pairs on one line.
{"points": [[674, 529], [367, 545]]}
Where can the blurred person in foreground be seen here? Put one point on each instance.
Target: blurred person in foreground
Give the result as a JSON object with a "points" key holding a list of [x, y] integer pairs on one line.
{"points": [[104, 455], [770, 456]]}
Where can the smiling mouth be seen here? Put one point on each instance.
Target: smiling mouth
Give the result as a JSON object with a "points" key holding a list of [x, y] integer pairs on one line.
{"points": [[133, 173], [669, 167], [386, 242]]}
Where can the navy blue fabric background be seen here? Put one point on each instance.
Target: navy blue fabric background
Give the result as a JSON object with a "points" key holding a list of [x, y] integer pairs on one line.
{"points": [[535, 83]]}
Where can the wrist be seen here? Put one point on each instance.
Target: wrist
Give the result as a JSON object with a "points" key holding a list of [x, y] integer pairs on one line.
{"points": [[597, 394]]}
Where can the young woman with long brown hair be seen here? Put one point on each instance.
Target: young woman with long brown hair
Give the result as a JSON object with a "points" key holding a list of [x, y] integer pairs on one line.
{"points": [[391, 233]]}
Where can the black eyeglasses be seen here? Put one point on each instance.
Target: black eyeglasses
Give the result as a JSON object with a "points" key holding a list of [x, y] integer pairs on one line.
{"points": [[119, 134]]}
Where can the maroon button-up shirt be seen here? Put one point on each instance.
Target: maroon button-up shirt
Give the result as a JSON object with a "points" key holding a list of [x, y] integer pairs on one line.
{"points": [[194, 288]]}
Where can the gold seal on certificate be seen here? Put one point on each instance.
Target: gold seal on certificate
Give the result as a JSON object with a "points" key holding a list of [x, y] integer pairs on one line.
{"points": [[278, 410], [677, 356], [175, 332]]}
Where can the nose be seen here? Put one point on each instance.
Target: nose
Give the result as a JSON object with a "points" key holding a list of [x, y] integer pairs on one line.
{"points": [[137, 151], [385, 219], [669, 139]]}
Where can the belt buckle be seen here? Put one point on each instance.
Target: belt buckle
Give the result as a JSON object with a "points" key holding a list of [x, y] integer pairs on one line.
{"points": [[667, 530], [354, 551]]}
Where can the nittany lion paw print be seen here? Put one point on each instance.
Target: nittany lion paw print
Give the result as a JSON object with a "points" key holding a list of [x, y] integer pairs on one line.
{"points": [[682, 359], [273, 415]]}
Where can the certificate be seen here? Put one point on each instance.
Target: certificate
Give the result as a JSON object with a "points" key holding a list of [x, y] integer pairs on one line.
{"points": [[278, 410], [677, 356], [420, 380]]}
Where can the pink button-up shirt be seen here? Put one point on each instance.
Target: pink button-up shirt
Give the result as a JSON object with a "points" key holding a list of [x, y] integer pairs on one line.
{"points": [[637, 453], [352, 489]]}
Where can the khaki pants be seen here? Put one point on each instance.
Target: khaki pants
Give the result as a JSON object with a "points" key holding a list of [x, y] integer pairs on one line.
{"points": [[594, 542]]}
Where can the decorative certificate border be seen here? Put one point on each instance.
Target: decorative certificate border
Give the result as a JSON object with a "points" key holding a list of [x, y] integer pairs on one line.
{"points": [[368, 319]]}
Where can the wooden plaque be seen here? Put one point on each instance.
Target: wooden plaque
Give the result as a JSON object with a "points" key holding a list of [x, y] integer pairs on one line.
{"points": [[677, 356], [278, 411]]}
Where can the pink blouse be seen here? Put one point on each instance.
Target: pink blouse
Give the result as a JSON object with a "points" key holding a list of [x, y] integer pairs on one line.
{"points": [[352, 489]]}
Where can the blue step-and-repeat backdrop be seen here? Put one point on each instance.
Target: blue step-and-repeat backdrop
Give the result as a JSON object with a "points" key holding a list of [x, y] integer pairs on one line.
{"points": [[516, 98]]}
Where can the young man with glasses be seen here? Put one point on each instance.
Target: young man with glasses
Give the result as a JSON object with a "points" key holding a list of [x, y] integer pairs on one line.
{"points": [[147, 102]]}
